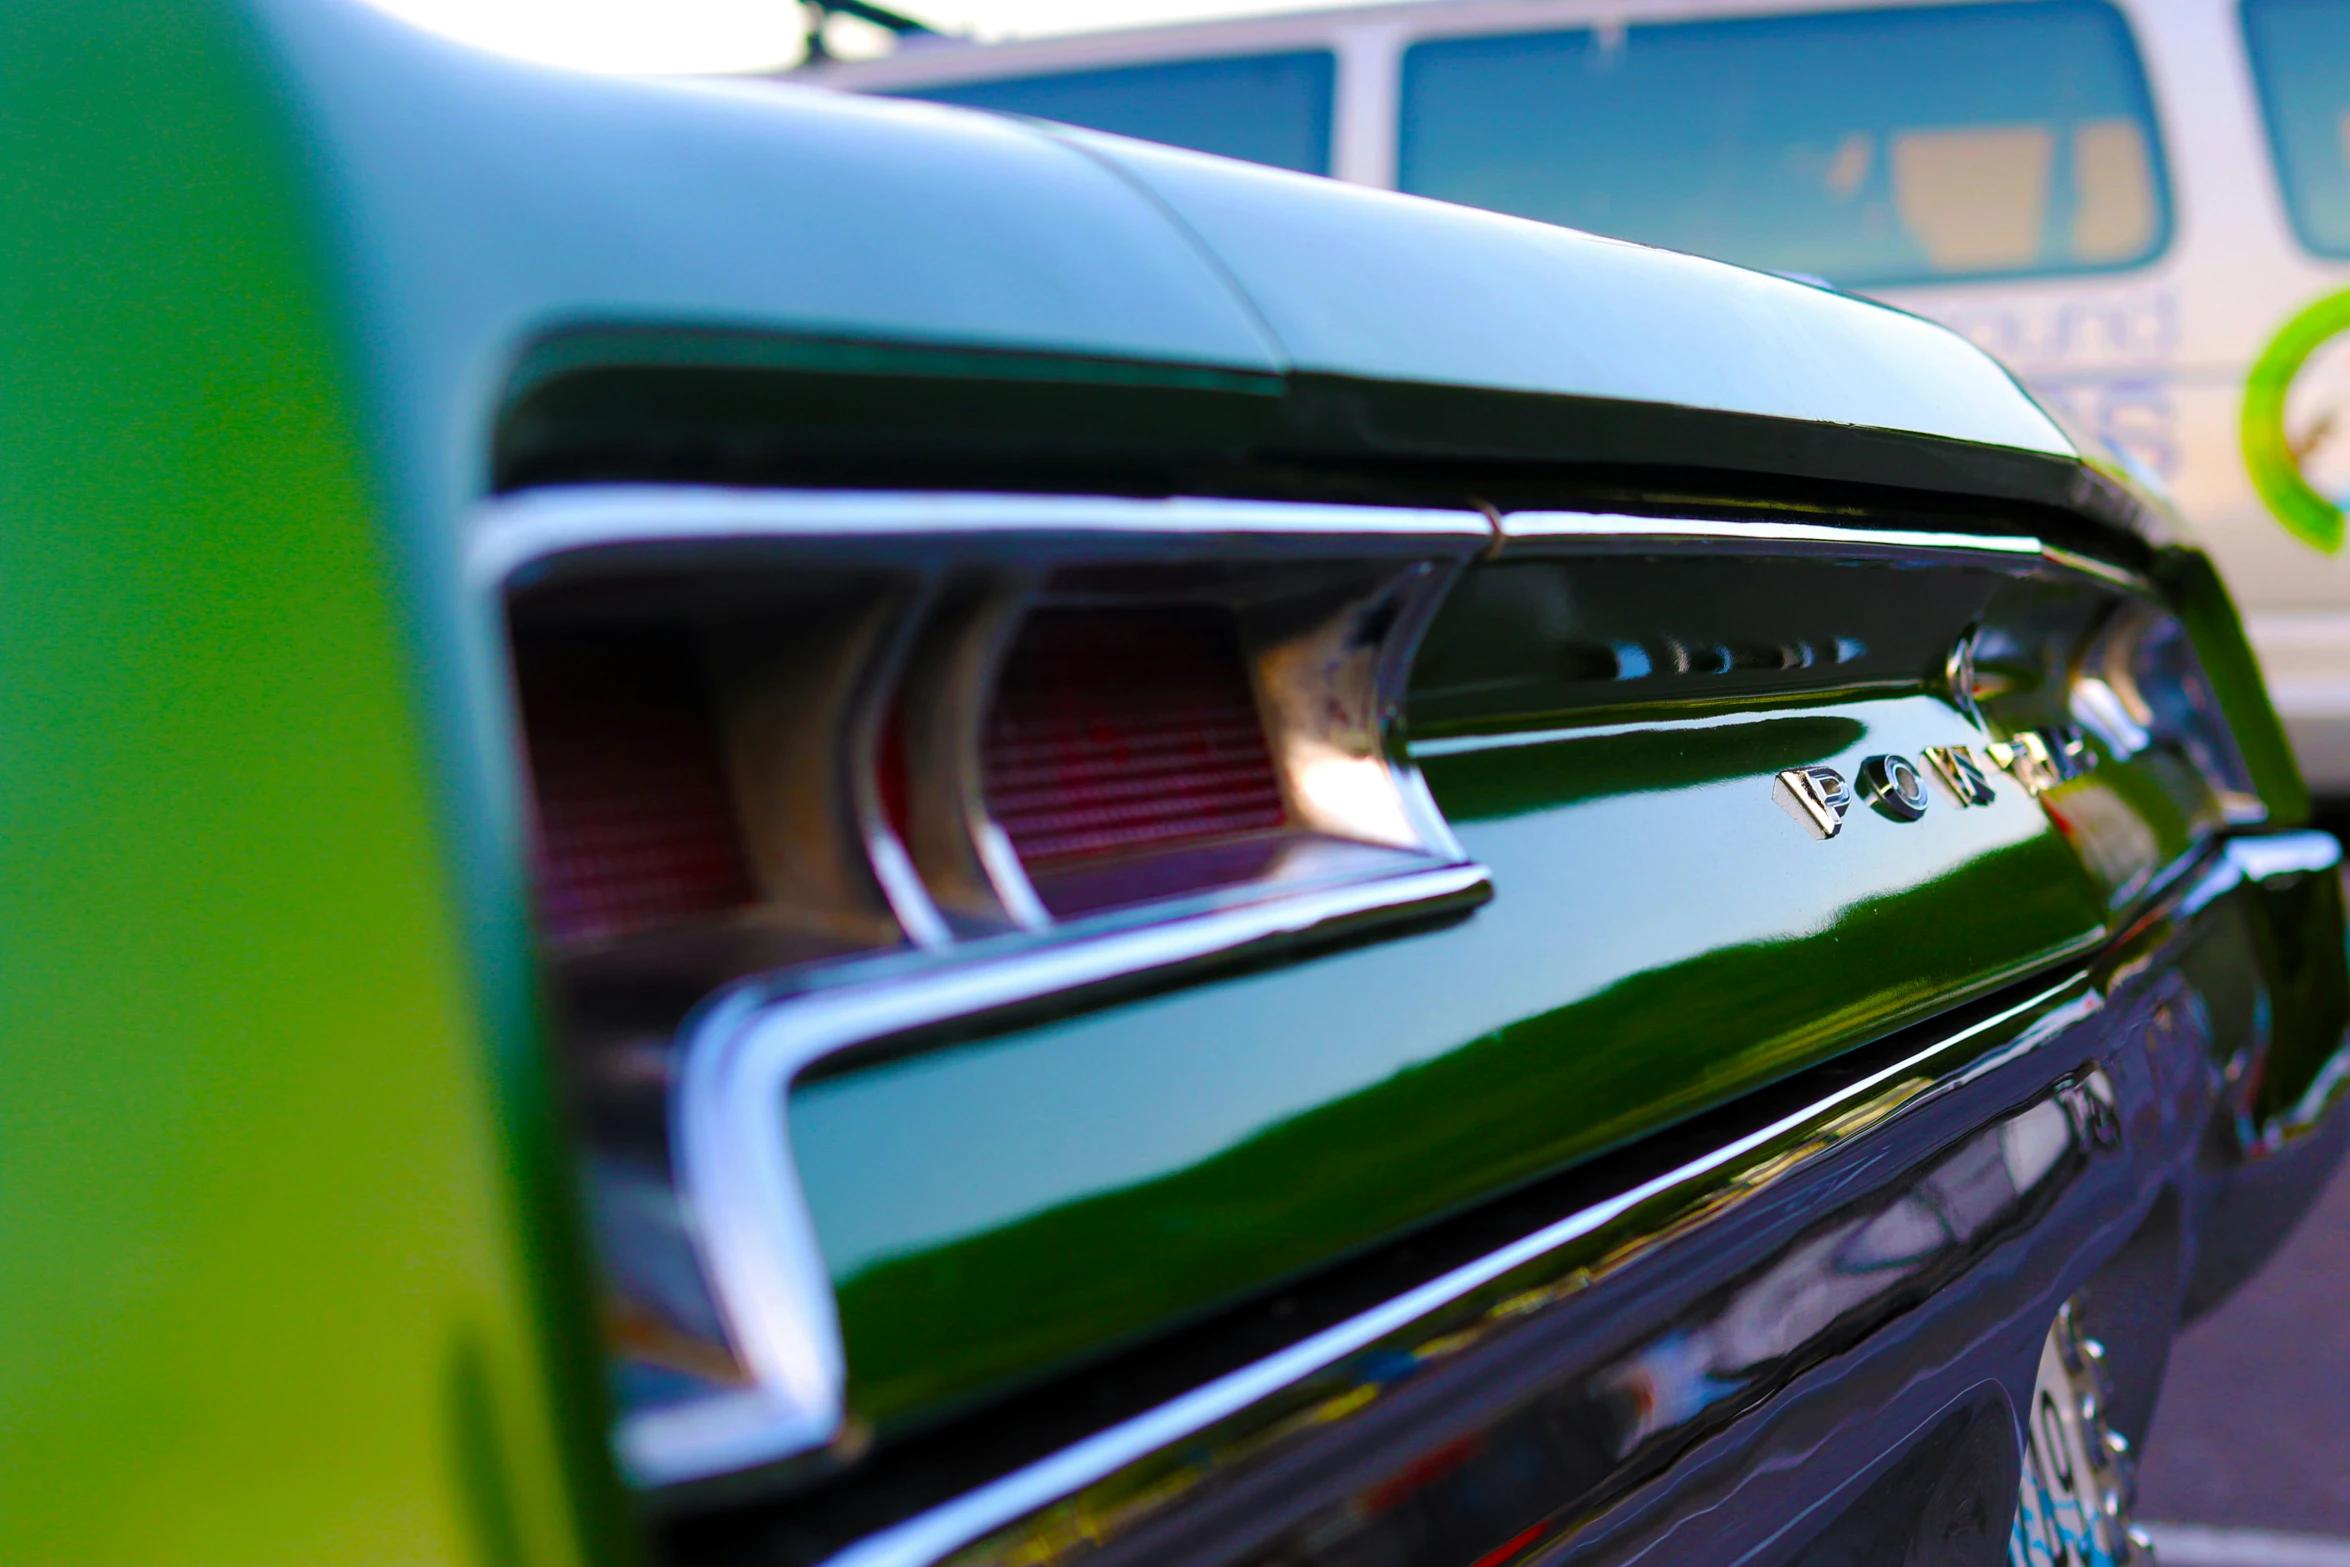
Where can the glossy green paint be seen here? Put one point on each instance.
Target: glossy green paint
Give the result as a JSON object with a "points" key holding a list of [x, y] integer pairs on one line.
{"points": [[490, 205], [268, 1287], [1396, 288], [1662, 937]]}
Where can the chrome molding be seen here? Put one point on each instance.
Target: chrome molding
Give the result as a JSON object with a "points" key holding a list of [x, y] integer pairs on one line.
{"points": [[731, 1135], [1617, 533], [893, 866], [957, 848], [1334, 694], [1512, 739], [1622, 531], [1562, 1258], [2089, 566], [512, 532], [781, 704]]}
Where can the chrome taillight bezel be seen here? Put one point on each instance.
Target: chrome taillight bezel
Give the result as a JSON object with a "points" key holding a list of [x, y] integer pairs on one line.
{"points": [[948, 579]]}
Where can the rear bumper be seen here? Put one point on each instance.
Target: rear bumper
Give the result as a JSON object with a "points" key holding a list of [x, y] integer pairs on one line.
{"points": [[1816, 1310]]}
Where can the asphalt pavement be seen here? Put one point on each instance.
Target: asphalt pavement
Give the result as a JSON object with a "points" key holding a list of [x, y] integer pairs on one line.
{"points": [[2253, 1433]]}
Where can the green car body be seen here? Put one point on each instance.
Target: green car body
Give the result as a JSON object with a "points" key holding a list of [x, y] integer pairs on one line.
{"points": [[284, 1245], [292, 1258]]}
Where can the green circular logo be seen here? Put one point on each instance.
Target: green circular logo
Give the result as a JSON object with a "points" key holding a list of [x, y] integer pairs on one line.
{"points": [[2297, 423]]}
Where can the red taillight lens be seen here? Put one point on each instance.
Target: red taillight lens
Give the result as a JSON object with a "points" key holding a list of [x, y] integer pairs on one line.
{"points": [[1118, 730], [636, 824]]}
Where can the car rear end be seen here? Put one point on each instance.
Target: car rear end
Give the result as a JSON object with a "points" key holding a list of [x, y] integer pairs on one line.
{"points": [[1352, 1071], [1221, 869], [1436, 974]]}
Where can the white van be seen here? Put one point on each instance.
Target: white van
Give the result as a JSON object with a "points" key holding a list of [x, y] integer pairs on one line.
{"points": [[2142, 206]]}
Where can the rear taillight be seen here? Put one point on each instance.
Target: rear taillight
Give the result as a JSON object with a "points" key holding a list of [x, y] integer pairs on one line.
{"points": [[636, 824], [880, 765], [1124, 731]]}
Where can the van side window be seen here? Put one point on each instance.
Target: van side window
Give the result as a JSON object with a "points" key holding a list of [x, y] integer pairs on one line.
{"points": [[2301, 59], [1864, 147], [1266, 108]]}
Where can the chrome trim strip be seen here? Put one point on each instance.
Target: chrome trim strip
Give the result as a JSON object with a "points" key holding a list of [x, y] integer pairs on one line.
{"points": [[2090, 566], [1646, 533], [1778, 1150], [1616, 533], [1393, 684], [1510, 739], [961, 855], [917, 915], [513, 531], [1331, 694], [731, 1138], [983, 660]]}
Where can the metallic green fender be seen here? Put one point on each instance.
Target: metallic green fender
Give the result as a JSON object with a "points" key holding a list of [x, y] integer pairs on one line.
{"points": [[268, 1288]]}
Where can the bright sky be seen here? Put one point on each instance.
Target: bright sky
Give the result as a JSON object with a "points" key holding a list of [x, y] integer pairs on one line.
{"points": [[742, 35]]}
